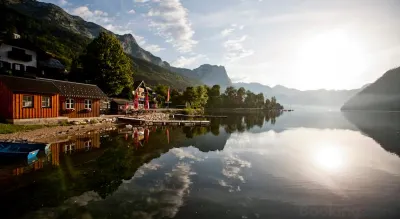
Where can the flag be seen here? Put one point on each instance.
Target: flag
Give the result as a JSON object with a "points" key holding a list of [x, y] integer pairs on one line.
{"points": [[136, 139], [136, 101], [126, 106], [146, 104], [146, 135], [168, 95], [167, 132]]}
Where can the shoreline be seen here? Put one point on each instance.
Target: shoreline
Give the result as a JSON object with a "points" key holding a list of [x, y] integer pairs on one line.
{"points": [[56, 134], [64, 133]]}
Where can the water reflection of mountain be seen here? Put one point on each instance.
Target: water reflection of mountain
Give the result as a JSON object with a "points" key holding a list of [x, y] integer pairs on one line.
{"points": [[383, 127]]}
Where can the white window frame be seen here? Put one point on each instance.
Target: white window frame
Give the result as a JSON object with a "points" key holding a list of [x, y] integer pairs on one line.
{"points": [[69, 103], [88, 144], [88, 104], [18, 67], [69, 148], [24, 101], [46, 101]]}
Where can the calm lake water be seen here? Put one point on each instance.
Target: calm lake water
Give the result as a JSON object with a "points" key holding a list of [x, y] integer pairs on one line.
{"points": [[296, 165]]}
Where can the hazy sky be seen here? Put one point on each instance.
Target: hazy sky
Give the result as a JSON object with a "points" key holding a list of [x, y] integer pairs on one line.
{"points": [[303, 44]]}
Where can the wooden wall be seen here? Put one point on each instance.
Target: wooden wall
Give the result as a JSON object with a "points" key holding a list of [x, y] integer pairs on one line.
{"points": [[58, 149], [37, 111], [80, 108], [5, 102]]}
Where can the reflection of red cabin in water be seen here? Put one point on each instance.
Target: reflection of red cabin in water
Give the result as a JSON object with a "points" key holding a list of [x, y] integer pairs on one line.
{"points": [[77, 144]]}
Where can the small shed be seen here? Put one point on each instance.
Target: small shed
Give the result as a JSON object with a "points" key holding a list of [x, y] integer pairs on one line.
{"points": [[118, 105]]}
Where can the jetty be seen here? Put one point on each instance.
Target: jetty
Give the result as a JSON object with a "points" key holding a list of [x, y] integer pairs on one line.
{"points": [[139, 122], [198, 116]]}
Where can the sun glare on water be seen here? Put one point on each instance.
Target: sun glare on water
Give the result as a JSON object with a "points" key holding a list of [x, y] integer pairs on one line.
{"points": [[329, 158]]}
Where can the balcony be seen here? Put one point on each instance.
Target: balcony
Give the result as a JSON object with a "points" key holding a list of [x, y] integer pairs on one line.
{"points": [[19, 55]]}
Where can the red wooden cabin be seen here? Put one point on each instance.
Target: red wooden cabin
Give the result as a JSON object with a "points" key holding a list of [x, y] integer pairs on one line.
{"points": [[26, 99]]}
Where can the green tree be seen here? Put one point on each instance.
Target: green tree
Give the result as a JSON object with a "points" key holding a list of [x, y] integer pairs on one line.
{"points": [[240, 96], [230, 96], [260, 100], [106, 64], [250, 100], [202, 96], [190, 96], [267, 104], [273, 102], [214, 97], [162, 92]]}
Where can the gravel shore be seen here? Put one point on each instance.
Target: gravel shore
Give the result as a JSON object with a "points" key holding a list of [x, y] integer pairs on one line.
{"points": [[57, 133], [63, 133]]}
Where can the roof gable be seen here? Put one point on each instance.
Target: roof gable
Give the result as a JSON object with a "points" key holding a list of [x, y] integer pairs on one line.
{"points": [[79, 90], [28, 85], [50, 86]]}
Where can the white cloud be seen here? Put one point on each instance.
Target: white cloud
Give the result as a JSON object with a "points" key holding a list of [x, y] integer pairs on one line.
{"points": [[235, 49], [184, 154], [141, 1], [233, 166], [95, 16], [63, 2], [153, 48], [187, 61], [131, 12], [227, 31], [170, 21]]}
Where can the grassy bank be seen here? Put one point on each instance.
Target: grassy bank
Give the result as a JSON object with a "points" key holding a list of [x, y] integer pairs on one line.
{"points": [[10, 128]]}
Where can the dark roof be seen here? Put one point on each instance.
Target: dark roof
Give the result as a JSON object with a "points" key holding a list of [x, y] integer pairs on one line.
{"points": [[120, 101], [24, 44], [28, 85], [73, 89], [49, 86], [52, 63]]}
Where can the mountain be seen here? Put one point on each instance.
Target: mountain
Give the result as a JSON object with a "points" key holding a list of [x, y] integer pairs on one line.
{"points": [[290, 96], [66, 36], [382, 95]]}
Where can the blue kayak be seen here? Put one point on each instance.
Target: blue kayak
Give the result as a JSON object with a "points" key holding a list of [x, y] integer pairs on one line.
{"points": [[17, 151]]}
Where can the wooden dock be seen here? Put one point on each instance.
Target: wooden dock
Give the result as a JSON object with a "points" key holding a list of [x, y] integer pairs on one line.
{"points": [[136, 121], [198, 116]]}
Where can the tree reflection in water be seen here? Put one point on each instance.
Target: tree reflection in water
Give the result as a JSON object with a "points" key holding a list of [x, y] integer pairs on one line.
{"points": [[103, 167]]}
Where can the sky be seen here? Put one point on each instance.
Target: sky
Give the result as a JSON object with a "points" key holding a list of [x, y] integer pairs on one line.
{"points": [[302, 44]]}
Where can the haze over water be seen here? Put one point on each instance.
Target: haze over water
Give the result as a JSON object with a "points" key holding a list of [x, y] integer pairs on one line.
{"points": [[297, 165]]}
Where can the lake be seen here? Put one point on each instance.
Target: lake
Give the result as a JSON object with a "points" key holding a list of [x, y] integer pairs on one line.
{"points": [[295, 165]]}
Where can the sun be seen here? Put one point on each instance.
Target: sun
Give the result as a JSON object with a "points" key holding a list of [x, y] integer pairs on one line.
{"points": [[326, 59], [329, 158]]}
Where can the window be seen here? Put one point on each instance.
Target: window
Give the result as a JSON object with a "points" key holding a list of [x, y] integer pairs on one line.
{"points": [[88, 145], [27, 101], [88, 104], [69, 148], [69, 104], [46, 102], [17, 67]]}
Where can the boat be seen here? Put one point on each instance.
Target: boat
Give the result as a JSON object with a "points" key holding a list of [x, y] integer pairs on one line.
{"points": [[12, 150], [15, 152], [31, 146]]}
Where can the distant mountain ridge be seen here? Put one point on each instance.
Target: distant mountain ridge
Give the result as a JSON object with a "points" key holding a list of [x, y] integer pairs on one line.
{"points": [[153, 69], [290, 96], [382, 95], [51, 13]]}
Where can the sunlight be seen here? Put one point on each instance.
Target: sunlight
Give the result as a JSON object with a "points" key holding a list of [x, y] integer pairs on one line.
{"points": [[329, 158], [329, 57]]}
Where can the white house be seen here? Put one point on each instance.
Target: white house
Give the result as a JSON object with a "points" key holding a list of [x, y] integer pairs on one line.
{"points": [[18, 55]]}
